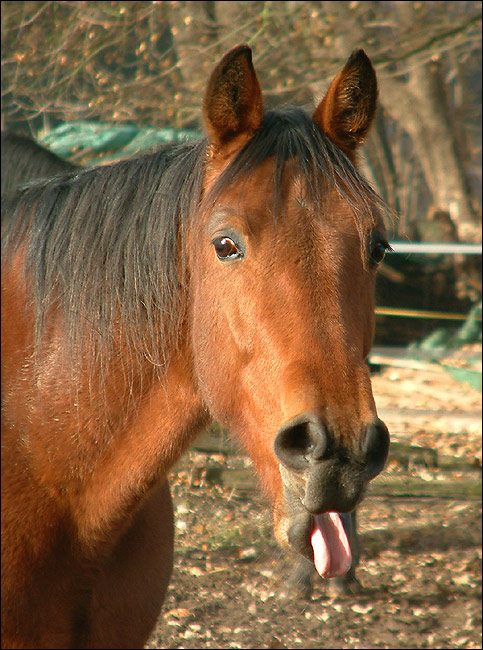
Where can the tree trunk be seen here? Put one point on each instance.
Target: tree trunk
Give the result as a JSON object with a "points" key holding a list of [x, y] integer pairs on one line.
{"points": [[419, 104], [420, 107]]}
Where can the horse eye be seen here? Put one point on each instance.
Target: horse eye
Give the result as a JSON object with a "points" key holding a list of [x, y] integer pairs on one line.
{"points": [[226, 248], [378, 251]]}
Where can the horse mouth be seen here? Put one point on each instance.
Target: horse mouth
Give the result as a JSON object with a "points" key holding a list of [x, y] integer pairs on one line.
{"points": [[321, 479], [330, 545], [320, 537]]}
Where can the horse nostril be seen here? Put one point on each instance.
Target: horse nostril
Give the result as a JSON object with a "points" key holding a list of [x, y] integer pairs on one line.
{"points": [[375, 447], [301, 441]]}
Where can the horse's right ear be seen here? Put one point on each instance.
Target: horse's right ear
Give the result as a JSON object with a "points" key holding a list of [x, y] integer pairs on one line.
{"points": [[233, 105]]}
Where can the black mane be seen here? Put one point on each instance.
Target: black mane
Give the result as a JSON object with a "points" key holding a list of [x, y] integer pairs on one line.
{"points": [[106, 244], [291, 134], [24, 160]]}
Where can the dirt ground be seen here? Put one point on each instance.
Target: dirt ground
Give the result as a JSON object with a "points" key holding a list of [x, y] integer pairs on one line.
{"points": [[420, 532]]}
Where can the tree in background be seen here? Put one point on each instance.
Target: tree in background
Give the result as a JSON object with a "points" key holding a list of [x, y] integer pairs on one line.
{"points": [[147, 63]]}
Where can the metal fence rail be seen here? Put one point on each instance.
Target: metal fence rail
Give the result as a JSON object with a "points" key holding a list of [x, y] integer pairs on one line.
{"points": [[434, 248]]}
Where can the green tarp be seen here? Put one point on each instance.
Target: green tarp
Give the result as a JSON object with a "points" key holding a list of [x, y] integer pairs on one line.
{"points": [[101, 141]]}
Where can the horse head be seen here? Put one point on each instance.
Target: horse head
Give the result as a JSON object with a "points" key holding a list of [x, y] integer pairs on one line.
{"points": [[283, 258]]}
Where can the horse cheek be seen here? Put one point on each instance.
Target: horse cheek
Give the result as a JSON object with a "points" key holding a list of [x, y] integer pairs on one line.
{"points": [[212, 351]]}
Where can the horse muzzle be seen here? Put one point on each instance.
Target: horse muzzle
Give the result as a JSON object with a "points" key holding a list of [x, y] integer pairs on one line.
{"points": [[322, 479]]}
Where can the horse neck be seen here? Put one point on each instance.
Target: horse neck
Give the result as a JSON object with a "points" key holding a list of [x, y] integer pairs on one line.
{"points": [[97, 442], [166, 418]]}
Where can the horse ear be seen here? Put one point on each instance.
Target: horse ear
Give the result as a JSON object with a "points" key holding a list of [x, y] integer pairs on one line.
{"points": [[348, 109], [233, 104]]}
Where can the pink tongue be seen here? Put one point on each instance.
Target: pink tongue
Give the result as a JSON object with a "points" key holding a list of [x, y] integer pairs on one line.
{"points": [[332, 553]]}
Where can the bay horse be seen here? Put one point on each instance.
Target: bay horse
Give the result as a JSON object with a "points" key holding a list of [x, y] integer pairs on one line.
{"points": [[24, 160], [229, 278]]}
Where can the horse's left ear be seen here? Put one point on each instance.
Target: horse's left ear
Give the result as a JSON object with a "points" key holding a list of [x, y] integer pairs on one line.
{"points": [[233, 105], [348, 109]]}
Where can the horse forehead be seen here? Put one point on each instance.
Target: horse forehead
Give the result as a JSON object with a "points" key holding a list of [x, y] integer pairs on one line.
{"points": [[263, 203], [256, 207]]}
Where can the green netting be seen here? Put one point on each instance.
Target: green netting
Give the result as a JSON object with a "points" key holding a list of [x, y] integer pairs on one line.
{"points": [[465, 375], [97, 140]]}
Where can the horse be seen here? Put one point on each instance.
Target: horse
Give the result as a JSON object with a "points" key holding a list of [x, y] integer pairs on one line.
{"points": [[228, 278], [24, 160]]}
